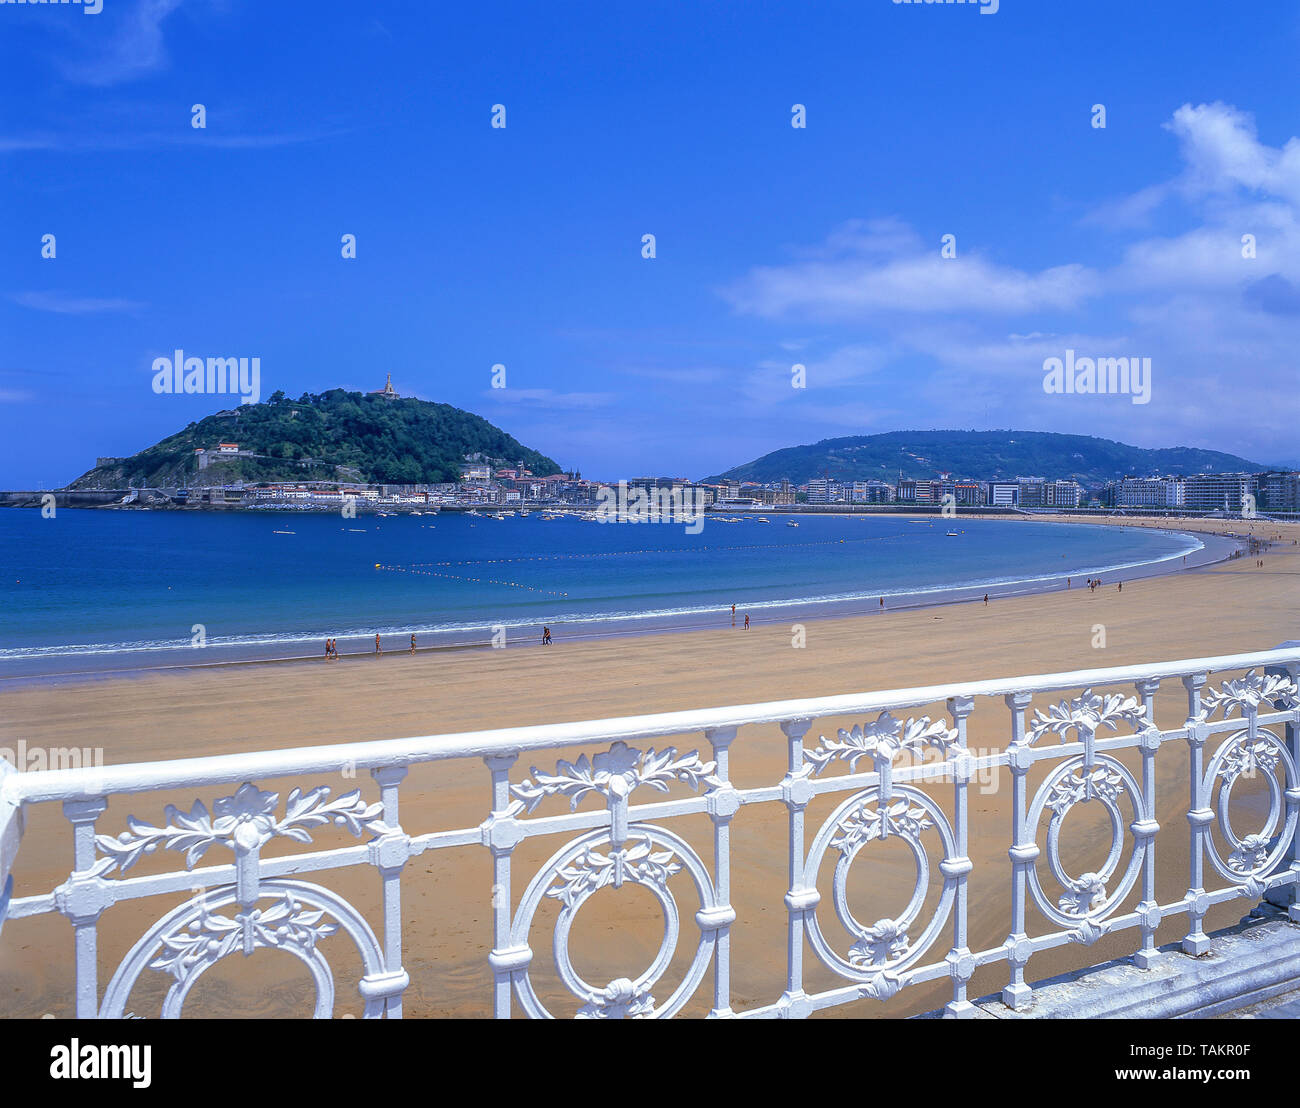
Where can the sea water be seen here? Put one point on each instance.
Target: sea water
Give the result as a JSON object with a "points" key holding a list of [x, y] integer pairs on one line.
{"points": [[102, 589]]}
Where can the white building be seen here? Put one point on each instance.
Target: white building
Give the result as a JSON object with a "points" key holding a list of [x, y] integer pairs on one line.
{"points": [[1004, 494], [1152, 492], [1218, 492]]}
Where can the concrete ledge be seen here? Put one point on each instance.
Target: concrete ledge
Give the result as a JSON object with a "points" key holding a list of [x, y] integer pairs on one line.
{"points": [[1252, 962]]}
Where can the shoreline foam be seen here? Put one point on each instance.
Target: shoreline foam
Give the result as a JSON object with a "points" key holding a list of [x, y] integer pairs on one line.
{"points": [[616, 625]]}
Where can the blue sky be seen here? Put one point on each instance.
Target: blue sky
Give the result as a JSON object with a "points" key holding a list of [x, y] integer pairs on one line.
{"points": [[775, 245]]}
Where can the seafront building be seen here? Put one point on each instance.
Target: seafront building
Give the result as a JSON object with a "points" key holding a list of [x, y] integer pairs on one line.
{"points": [[1152, 492], [1273, 491], [1211, 492], [497, 482]]}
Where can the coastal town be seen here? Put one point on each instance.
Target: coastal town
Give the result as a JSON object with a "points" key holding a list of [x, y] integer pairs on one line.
{"points": [[495, 486]]}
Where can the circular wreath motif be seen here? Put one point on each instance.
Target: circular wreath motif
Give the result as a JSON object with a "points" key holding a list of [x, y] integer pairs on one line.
{"points": [[1255, 855], [1087, 897], [886, 946], [649, 857]]}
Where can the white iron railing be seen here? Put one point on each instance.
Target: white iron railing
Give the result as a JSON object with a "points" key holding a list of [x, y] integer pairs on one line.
{"points": [[1243, 719]]}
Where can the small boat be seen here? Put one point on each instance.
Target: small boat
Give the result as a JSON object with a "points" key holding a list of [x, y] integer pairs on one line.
{"points": [[791, 523], [284, 532], [952, 534], [764, 519]]}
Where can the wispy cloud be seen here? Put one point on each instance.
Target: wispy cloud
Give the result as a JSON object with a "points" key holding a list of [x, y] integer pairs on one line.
{"points": [[133, 47], [879, 267], [702, 375], [73, 305], [182, 136], [551, 398]]}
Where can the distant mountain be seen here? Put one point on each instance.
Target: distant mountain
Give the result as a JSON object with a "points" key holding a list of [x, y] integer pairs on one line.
{"points": [[334, 435], [981, 455]]}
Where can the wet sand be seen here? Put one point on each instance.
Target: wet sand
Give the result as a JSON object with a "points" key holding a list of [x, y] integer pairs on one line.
{"points": [[1220, 609]]}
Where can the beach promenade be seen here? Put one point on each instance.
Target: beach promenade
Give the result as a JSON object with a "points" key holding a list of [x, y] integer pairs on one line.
{"points": [[1233, 607]]}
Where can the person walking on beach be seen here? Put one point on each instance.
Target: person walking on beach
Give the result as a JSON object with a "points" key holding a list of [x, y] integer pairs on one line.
{"points": [[546, 636], [986, 598], [412, 644], [746, 621], [882, 601], [1121, 586], [378, 648], [328, 652]]}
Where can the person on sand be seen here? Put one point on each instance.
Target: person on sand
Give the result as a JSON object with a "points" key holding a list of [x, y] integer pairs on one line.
{"points": [[378, 648], [328, 652], [546, 636], [1121, 586], [882, 601], [986, 598], [412, 644], [746, 621]]}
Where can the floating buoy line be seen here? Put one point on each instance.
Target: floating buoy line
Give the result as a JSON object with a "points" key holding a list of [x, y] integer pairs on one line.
{"points": [[471, 580], [649, 550], [424, 569]]}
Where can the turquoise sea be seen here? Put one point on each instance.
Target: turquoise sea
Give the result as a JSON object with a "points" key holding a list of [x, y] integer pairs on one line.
{"points": [[94, 590]]}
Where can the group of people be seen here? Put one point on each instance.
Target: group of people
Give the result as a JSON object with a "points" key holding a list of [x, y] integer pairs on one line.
{"points": [[332, 645], [332, 648], [733, 618], [1094, 583]]}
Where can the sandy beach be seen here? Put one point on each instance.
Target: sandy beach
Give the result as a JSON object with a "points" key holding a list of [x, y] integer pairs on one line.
{"points": [[1230, 607]]}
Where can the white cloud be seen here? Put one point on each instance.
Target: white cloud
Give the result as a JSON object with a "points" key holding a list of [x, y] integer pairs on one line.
{"points": [[1222, 150], [1219, 327], [870, 268], [133, 48]]}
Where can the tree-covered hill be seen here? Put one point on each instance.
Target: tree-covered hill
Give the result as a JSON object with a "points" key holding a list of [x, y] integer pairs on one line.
{"points": [[323, 436], [981, 455]]}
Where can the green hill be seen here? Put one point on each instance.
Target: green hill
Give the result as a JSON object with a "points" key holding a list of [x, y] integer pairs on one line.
{"points": [[334, 435], [981, 455]]}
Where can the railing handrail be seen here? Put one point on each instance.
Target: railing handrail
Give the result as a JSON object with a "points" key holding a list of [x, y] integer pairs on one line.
{"points": [[84, 783]]}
